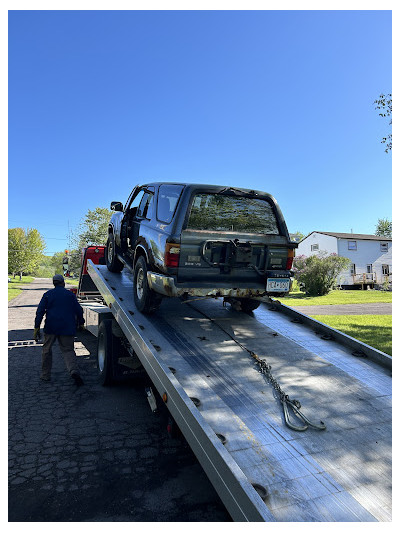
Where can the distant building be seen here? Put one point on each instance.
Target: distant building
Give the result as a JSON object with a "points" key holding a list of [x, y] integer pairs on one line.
{"points": [[370, 255]]}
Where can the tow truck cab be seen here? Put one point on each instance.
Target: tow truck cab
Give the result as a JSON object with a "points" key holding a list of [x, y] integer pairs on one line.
{"points": [[87, 288]]}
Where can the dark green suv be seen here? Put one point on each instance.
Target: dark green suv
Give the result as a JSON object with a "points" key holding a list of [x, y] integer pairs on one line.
{"points": [[183, 239]]}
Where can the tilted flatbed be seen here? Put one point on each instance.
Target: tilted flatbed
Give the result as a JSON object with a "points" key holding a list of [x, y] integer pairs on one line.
{"points": [[203, 359]]}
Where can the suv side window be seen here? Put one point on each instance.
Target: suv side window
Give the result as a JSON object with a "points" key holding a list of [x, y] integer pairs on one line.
{"points": [[145, 209], [168, 196], [136, 200]]}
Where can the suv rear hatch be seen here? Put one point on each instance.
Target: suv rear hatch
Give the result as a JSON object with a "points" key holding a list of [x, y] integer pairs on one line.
{"points": [[233, 240]]}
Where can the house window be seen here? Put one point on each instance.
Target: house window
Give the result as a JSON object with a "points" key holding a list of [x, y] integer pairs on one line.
{"points": [[369, 269], [384, 246], [352, 245], [353, 269], [385, 270], [314, 247]]}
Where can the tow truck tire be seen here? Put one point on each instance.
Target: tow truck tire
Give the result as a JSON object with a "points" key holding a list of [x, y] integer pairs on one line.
{"points": [[112, 261], [146, 300], [106, 348], [248, 304]]}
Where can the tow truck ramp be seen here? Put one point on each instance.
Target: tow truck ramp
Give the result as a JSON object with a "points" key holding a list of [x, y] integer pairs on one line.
{"points": [[202, 359]]}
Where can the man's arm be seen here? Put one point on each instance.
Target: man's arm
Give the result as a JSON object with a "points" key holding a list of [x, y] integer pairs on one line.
{"points": [[40, 311]]}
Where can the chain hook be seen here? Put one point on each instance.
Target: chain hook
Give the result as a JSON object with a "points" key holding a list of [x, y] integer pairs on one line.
{"points": [[285, 402], [295, 406]]}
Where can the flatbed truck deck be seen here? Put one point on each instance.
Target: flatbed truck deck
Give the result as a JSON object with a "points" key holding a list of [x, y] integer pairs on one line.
{"points": [[204, 360]]}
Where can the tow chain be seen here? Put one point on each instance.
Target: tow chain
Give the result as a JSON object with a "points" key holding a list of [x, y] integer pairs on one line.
{"points": [[286, 402], [265, 369]]}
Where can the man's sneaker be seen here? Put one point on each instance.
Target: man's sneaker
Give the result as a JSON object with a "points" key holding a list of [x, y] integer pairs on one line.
{"points": [[44, 378], [77, 378]]}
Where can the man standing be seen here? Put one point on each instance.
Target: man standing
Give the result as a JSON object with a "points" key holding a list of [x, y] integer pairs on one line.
{"points": [[63, 313]]}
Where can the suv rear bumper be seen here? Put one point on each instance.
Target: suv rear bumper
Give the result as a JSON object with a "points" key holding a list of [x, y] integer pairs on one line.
{"points": [[166, 286]]}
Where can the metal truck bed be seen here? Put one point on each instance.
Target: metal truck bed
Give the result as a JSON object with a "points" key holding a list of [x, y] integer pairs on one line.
{"points": [[198, 354]]}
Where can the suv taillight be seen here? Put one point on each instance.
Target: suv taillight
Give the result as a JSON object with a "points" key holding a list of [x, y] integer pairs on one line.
{"points": [[172, 255], [289, 261]]}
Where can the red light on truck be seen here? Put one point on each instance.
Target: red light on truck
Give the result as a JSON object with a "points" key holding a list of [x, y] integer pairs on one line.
{"points": [[289, 261], [172, 252]]}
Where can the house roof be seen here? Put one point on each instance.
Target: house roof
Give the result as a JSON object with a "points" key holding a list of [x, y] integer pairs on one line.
{"points": [[354, 236]]}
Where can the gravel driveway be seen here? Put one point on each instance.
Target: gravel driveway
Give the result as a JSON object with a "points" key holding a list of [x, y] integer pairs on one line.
{"points": [[91, 453]]}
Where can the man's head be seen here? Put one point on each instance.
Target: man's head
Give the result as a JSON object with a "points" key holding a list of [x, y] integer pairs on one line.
{"points": [[58, 280]]}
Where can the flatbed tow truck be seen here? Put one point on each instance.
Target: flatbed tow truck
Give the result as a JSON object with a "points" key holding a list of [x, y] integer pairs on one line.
{"points": [[233, 383]]}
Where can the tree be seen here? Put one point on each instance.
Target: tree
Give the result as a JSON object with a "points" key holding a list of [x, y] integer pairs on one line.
{"points": [[45, 268], [75, 260], [93, 230], [25, 250], [318, 273], [297, 237], [16, 251], [56, 262], [384, 104], [384, 228]]}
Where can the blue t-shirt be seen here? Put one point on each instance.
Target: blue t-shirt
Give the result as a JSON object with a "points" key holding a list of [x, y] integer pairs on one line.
{"points": [[62, 311]]}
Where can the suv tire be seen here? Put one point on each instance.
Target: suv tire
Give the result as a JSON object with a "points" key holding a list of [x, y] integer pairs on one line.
{"points": [[248, 304], [146, 300], [112, 261]]}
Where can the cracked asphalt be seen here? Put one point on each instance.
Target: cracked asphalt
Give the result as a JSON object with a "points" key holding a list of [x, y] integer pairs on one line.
{"points": [[91, 453]]}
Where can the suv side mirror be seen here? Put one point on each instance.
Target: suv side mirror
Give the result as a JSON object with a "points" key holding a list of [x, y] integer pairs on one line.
{"points": [[116, 206]]}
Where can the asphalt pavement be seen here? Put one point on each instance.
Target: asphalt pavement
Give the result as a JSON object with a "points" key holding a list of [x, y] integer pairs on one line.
{"points": [[92, 453], [345, 309]]}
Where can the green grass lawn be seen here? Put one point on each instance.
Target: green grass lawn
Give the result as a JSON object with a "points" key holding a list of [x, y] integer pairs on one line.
{"points": [[15, 284], [337, 298], [374, 330], [72, 281]]}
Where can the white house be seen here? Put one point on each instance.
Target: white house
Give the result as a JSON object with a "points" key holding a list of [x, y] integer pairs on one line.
{"points": [[371, 256]]}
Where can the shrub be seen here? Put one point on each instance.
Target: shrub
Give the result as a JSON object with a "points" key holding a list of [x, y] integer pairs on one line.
{"points": [[295, 286], [317, 274]]}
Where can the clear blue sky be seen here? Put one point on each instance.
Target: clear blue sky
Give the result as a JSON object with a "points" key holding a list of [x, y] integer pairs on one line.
{"points": [[280, 101]]}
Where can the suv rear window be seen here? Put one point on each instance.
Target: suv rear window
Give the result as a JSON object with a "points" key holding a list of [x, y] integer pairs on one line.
{"points": [[232, 213], [168, 197]]}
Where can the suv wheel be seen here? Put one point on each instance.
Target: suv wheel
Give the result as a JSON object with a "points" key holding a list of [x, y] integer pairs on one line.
{"points": [[146, 300], [248, 304], [112, 261]]}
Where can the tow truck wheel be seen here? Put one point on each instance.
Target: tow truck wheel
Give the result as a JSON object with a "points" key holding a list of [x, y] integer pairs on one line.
{"points": [[248, 304], [146, 300], [105, 352], [113, 263]]}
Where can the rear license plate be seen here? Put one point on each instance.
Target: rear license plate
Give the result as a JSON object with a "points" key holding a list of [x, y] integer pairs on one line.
{"points": [[278, 285]]}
